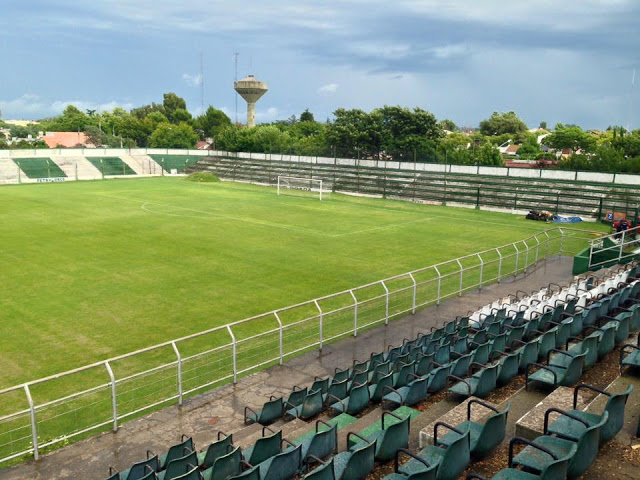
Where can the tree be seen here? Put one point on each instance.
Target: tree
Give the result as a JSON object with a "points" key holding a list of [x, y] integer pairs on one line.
{"points": [[543, 125], [500, 123], [306, 116], [212, 122], [146, 110], [173, 136], [71, 120], [573, 138], [408, 134], [171, 104], [447, 124], [530, 147], [488, 154]]}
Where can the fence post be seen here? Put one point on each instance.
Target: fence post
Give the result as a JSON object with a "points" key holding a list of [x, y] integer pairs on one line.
{"points": [[537, 250], [481, 269], [461, 275], [386, 303], [515, 270], [561, 242], [34, 427], [355, 313], [415, 288], [234, 353], [179, 358], [621, 245], [548, 245], [114, 396], [439, 282], [280, 343], [526, 257], [320, 316], [499, 265], [590, 253]]}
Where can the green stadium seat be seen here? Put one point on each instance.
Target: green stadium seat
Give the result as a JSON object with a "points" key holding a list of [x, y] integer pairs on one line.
{"points": [[527, 353], [410, 394], [355, 465], [428, 473], [557, 371], [508, 368], [357, 400], [480, 384], [630, 356], [321, 444], [311, 406], [141, 469], [450, 461], [483, 437], [249, 474], [376, 391], [264, 448], [582, 453], [216, 450], [296, 397], [270, 412], [282, 466], [571, 429], [387, 439], [225, 466], [192, 473], [179, 466], [324, 471], [336, 389]]}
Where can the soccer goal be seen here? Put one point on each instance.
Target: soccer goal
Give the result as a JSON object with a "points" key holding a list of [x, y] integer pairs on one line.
{"points": [[299, 184]]}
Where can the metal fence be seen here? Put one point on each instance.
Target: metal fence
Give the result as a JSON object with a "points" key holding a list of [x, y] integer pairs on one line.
{"points": [[52, 410], [619, 247]]}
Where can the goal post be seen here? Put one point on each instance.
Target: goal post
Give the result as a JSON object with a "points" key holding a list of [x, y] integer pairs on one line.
{"points": [[312, 185]]}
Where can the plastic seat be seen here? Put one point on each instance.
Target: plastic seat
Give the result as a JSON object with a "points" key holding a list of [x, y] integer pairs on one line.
{"points": [[460, 366], [508, 368], [191, 473], [429, 472], [571, 429], [321, 444], [296, 397], [141, 469], [376, 391], [606, 339], [177, 451], [480, 384], [588, 345], [481, 353], [324, 471], [321, 384], [225, 466], [179, 466], [483, 437], [270, 412], [388, 439], [555, 468], [584, 450], [355, 465], [437, 379], [557, 371], [527, 354], [265, 447], [410, 394], [337, 389], [357, 400], [216, 450], [401, 377], [282, 466], [311, 406], [630, 356], [450, 462]]}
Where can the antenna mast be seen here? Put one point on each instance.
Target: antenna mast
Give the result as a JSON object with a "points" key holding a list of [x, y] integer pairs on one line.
{"points": [[633, 81], [235, 80], [201, 83]]}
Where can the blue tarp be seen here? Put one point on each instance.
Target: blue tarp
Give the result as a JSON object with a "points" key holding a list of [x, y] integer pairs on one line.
{"points": [[559, 219]]}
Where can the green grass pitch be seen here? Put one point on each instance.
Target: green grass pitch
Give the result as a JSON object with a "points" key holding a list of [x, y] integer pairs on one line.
{"points": [[91, 270]]}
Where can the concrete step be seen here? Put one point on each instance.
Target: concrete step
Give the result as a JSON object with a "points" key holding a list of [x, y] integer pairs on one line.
{"points": [[363, 422], [248, 435]]}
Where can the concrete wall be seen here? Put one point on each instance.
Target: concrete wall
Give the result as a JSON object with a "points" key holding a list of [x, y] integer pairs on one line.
{"points": [[622, 179]]}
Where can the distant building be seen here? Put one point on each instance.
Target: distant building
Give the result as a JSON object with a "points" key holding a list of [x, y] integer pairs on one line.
{"points": [[67, 140], [512, 150]]}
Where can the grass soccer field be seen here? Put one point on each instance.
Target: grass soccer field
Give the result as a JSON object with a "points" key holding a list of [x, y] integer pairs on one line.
{"points": [[92, 270]]}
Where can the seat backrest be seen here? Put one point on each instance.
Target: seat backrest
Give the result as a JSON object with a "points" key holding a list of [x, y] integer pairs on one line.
{"points": [[340, 376], [227, 465], [417, 390], [284, 466], [574, 369], [190, 474], [297, 396], [528, 354], [178, 451], [393, 437], [438, 378], [358, 398], [139, 470], [508, 368], [404, 372], [251, 474], [424, 365], [546, 342], [615, 407], [622, 330], [323, 472], [587, 448], [442, 354], [320, 384], [460, 366], [383, 381], [607, 340], [382, 367], [492, 433], [487, 380], [339, 389], [312, 404], [272, 410], [481, 354], [180, 466], [556, 469], [323, 443], [265, 447], [360, 377], [360, 463], [456, 458], [216, 450]]}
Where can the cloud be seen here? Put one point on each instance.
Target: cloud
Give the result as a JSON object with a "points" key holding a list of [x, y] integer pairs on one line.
{"points": [[328, 89], [33, 106], [192, 80]]}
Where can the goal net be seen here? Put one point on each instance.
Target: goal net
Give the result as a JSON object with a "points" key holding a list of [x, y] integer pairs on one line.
{"points": [[288, 185]]}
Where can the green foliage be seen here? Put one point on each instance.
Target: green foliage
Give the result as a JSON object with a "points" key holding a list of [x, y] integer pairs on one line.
{"points": [[18, 131], [3, 142], [202, 177], [212, 122], [500, 123], [447, 124], [173, 104], [530, 147], [26, 145], [173, 136], [543, 124], [71, 120], [306, 116], [571, 137]]}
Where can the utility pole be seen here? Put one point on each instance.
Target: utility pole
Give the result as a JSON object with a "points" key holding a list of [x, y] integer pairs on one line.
{"points": [[201, 83], [235, 80]]}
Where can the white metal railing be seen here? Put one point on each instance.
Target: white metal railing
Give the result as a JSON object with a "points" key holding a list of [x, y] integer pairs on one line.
{"points": [[34, 415], [615, 248]]}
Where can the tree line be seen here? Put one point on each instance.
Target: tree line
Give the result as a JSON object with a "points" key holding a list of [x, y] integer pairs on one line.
{"points": [[385, 133]]}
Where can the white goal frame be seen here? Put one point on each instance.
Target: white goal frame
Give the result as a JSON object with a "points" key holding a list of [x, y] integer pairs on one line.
{"points": [[283, 182]]}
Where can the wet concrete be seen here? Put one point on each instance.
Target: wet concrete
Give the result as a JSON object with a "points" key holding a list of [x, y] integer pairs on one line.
{"points": [[222, 409]]}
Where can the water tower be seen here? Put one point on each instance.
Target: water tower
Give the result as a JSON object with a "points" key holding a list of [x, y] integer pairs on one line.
{"points": [[251, 90]]}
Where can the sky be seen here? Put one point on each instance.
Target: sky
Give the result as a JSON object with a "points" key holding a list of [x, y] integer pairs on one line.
{"points": [[569, 61]]}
